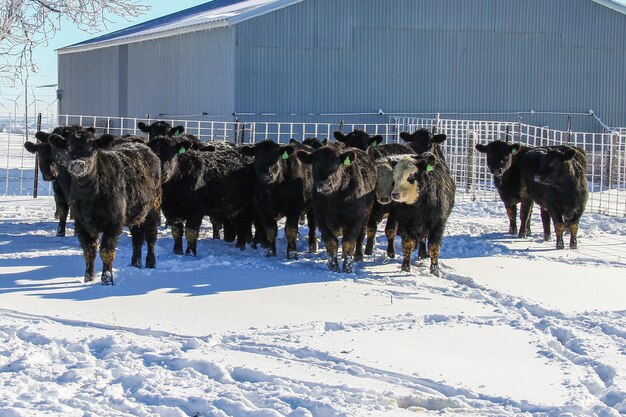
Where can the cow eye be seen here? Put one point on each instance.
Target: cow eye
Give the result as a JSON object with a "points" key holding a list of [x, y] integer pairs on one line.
{"points": [[411, 179]]}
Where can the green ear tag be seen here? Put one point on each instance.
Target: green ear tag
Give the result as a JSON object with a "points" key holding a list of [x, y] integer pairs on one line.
{"points": [[182, 150], [513, 150], [373, 144], [285, 155], [346, 161], [429, 168]]}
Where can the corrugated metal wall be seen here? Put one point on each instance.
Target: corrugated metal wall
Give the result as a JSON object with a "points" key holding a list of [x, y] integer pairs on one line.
{"points": [[180, 75], [485, 56]]}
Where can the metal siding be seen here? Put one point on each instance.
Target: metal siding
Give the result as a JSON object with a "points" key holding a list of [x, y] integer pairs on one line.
{"points": [[484, 56]]}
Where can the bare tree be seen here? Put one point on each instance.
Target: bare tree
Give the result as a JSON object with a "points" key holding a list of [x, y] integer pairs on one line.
{"points": [[25, 24]]}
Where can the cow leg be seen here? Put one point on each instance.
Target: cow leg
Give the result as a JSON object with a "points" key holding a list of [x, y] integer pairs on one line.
{"points": [[433, 253], [524, 217], [230, 231], [137, 235], [372, 225], [177, 234], [511, 211], [291, 233], [107, 253], [332, 246], [348, 247], [150, 232], [545, 220], [89, 244], [270, 228], [358, 249], [408, 246], [573, 237], [192, 232], [421, 250], [312, 223], [64, 210], [390, 232], [216, 227], [559, 229], [244, 229]]}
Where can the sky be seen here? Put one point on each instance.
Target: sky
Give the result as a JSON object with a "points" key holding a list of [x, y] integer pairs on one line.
{"points": [[45, 56]]}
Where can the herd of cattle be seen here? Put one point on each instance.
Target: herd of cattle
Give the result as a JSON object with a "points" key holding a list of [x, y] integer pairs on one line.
{"points": [[344, 188]]}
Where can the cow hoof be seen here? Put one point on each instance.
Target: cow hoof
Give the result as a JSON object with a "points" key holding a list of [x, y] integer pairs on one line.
{"points": [[333, 264], [560, 245], [546, 238], [312, 247], [150, 262], [88, 278], [512, 230], [348, 264], [573, 245], [358, 257], [391, 254], [269, 252], [292, 254], [178, 251], [60, 233], [240, 246], [434, 269], [190, 252], [107, 278], [522, 235], [136, 264], [406, 268]]}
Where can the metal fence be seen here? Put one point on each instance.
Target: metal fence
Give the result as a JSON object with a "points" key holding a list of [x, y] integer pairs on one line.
{"points": [[606, 152]]}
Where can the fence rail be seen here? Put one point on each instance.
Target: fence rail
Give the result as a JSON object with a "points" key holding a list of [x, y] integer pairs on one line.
{"points": [[606, 152]]}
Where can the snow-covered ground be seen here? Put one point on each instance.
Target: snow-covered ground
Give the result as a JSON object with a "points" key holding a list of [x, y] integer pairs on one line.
{"points": [[513, 327]]}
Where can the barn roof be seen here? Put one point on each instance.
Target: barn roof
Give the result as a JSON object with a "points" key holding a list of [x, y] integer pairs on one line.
{"points": [[213, 14]]}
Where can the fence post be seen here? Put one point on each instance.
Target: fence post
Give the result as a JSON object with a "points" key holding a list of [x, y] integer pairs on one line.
{"points": [[243, 133], [36, 181], [614, 160], [471, 142]]}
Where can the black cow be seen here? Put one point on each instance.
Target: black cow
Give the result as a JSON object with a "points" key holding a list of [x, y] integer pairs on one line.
{"points": [[555, 178], [217, 182], [52, 164], [314, 143], [422, 140], [424, 195], [503, 161], [112, 187], [358, 139], [383, 206], [282, 189], [160, 128], [344, 182]]}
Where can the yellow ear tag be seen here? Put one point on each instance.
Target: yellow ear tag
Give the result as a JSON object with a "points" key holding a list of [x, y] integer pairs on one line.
{"points": [[429, 168], [346, 161], [285, 155], [182, 150]]}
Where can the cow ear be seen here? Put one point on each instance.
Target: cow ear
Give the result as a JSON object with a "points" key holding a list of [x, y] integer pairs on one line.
{"points": [[347, 158], [515, 147], [406, 136], [325, 142], [440, 138], [569, 154], [30, 146], [184, 145], [339, 136], [481, 148], [105, 141], [304, 156], [207, 148], [375, 141], [247, 150], [42, 136], [57, 141], [177, 131], [143, 127], [91, 129], [293, 141], [426, 161]]}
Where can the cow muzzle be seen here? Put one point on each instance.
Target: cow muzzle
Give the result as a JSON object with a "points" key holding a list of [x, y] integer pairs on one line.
{"points": [[77, 167], [325, 187]]}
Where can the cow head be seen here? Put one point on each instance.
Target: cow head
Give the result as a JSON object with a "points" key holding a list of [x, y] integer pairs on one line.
{"points": [[410, 175], [422, 140], [168, 149], [43, 149], [160, 128], [329, 164], [270, 160], [358, 139], [314, 143], [384, 183], [499, 155], [81, 146], [555, 166]]}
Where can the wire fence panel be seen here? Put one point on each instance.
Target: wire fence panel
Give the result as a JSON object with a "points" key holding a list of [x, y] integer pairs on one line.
{"points": [[606, 152]]}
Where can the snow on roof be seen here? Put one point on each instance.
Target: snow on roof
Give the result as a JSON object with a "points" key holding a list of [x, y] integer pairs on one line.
{"points": [[213, 14], [618, 6]]}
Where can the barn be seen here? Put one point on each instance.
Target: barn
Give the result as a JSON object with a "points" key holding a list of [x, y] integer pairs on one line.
{"points": [[545, 61]]}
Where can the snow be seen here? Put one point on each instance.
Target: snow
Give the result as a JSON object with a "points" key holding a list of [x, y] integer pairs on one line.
{"points": [[512, 328]]}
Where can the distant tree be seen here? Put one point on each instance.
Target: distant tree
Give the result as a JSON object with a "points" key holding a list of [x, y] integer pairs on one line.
{"points": [[25, 24]]}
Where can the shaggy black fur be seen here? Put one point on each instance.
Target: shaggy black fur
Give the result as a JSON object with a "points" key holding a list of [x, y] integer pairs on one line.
{"points": [[422, 140], [358, 139], [112, 187], [344, 182], [282, 189]]}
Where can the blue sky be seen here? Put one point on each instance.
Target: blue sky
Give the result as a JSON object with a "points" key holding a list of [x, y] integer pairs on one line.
{"points": [[45, 56]]}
